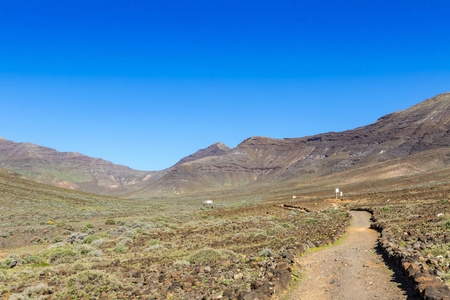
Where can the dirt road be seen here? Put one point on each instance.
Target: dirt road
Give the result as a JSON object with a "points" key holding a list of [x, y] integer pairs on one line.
{"points": [[350, 270]]}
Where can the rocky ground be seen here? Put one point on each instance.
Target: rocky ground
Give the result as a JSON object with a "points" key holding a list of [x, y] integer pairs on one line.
{"points": [[350, 270], [415, 236], [219, 253], [242, 252]]}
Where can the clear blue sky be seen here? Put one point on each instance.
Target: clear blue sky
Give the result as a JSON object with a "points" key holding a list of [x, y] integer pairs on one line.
{"points": [[145, 83]]}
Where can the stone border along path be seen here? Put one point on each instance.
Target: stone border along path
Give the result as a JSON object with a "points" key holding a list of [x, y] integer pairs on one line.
{"points": [[349, 270]]}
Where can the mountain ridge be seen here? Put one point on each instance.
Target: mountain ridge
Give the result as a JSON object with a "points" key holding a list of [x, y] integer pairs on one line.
{"points": [[256, 160], [425, 126], [67, 169]]}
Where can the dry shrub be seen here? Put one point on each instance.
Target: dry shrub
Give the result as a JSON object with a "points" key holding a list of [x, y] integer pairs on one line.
{"points": [[40, 291], [210, 255], [91, 283]]}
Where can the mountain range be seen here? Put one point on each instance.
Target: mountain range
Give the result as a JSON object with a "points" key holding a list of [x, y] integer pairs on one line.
{"points": [[405, 143]]}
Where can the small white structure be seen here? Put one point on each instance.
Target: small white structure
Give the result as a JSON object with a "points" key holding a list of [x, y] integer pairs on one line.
{"points": [[293, 197], [208, 202], [337, 193]]}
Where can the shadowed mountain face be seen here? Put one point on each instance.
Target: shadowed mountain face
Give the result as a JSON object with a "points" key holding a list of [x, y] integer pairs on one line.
{"points": [[403, 143]]}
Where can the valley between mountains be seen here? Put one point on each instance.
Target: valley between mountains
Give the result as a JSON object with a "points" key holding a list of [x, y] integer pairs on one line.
{"points": [[259, 221], [404, 143]]}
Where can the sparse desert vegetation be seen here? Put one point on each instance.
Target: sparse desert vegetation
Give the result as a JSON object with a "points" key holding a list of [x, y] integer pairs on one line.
{"points": [[152, 251], [225, 223], [417, 223], [160, 255]]}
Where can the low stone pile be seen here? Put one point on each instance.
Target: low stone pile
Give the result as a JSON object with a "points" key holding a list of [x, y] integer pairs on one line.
{"points": [[415, 267], [404, 252]]}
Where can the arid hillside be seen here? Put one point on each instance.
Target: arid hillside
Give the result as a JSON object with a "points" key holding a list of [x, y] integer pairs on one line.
{"points": [[405, 143], [68, 169]]}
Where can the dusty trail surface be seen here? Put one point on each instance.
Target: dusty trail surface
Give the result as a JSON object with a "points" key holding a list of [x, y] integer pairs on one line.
{"points": [[350, 270]]}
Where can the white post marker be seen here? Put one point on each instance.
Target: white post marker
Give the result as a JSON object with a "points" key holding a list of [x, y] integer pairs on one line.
{"points": [[337, 193], [342, 194]]}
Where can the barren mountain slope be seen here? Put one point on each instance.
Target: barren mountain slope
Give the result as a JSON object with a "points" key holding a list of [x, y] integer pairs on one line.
{"points": [[213, 150], [68, 169], [259, 160]]}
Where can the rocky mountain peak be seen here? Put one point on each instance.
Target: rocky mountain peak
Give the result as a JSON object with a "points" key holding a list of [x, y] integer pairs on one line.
{"points": [[399, 136], [394, 140], [219, 145], [215, 149]]}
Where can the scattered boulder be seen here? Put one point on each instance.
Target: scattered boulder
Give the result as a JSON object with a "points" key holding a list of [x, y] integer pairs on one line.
{"points": [[12, 264], [76, 237]]}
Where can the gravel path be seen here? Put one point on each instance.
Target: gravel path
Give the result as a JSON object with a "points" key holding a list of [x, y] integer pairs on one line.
{"points": [[350, 270]]}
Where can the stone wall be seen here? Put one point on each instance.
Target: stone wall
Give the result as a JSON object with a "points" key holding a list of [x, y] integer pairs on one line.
{"points": [[403, 252]]}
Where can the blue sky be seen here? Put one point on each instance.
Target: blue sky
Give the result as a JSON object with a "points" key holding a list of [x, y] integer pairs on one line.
{"points": [[145, 83]]}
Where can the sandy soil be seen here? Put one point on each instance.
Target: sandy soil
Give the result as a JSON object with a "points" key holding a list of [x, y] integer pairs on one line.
{"points": [[350, 270]]}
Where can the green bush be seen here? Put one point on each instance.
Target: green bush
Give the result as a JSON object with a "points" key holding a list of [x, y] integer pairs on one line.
{"points": [[275, 229], [436, 252], [69, 227], [35, 292], [121, 248], [110, 222], [266, 253], [61, 255], [84, 249], [287, 225], [90, 239], [31, 259], [275, 242], [57, 239], [98, 242], [182, 263], [91, 283], [447, 224], [254, 232], [310, 221], [205, 255], [4, 264], [153, 242]]}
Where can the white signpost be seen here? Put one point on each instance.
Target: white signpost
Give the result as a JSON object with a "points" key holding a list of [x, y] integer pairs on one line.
{"points": [[337, 193]]}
